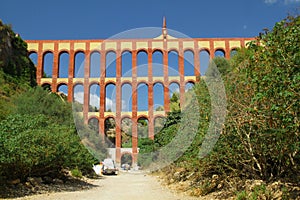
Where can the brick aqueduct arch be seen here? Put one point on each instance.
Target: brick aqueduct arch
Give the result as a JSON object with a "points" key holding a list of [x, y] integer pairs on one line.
{"points": [[163, 43]]}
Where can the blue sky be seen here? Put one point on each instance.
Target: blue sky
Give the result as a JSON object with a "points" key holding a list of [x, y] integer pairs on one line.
{"points": [[94, 19]]}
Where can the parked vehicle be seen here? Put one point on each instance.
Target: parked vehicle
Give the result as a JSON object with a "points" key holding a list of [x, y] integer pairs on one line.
{"points": [[109, 167]]}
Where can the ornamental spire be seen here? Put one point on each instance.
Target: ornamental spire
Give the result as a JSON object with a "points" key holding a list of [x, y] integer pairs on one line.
{"points": [[164, 28]]}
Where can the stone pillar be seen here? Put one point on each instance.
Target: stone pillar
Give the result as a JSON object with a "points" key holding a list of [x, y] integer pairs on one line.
{"points": [[40, 60], [181, 74], [196, 61], [102, 93], [227, 49], [166, 79], [150, 93], [71, 72], [55, 68], [211, 49], [86, 86], [118, 104], [134, 105]]}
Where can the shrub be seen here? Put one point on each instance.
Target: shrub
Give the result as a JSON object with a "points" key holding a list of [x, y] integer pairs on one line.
{"points": [[76, 173], [37, 146]]}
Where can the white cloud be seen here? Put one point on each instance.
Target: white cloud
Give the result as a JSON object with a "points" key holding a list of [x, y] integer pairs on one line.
{"points": [[95, 101], [78, 96], [286, 2]]}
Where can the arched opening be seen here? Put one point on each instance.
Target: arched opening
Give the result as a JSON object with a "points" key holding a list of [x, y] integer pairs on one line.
{"points": [[157, 64], [142, 64], [63, 89], [110, 97], [111, 65], [63, 66], [174, 88], [142, 124], [189, 86], [110, 132], [233, 52], [126, 64], [78, 97], [189, 63], [95, 59], [79, 65], [158, 97], [142, 97], [47, 65], [126, 159], [47, 86], [174, 96], [173, 68], [126, 129], [204, 61], [94, 98], [33, 57], [220, 53], [126, 97], [159, 123], [94, 124]]}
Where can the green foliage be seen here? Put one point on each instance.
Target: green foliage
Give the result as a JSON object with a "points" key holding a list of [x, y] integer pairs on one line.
{"points": [[175, 102], [91, 139], [146, 146], [14, 59], [259, 192], [221, 64], [76, 173], [9, 86], [17, 72], [39, 138], [142, 128], [241, 195], [34, 145], [38, 101], [260, 138], [263, 96]]}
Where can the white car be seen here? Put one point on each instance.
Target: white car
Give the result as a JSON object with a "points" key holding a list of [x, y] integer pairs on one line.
{"points": [[109, 167]]}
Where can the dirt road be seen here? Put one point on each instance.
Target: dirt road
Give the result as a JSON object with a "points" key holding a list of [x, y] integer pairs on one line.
{"points": [[126, 186]]}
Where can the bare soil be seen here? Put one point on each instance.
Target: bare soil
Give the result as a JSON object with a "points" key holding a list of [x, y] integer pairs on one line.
{"points": [[125, 186]]}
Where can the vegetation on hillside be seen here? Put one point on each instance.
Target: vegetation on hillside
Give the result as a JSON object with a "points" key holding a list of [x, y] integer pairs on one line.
{"points": [[260, 138], [14, 60], [38, 136]]}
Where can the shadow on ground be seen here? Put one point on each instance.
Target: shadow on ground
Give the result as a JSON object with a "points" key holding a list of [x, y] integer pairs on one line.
{"points": [[8, 191]]}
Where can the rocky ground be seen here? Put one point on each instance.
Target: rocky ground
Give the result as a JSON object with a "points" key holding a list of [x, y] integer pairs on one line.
{"points": [[140, 185], [43, 185], [217, 187], [125, 186]]}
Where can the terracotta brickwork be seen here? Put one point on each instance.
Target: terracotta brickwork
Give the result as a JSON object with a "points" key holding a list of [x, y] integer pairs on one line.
{"points": [[164, 43]]}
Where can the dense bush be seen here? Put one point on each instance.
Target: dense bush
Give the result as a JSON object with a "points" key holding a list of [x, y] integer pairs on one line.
{"points": [[37, 132], [260, 138], [34, 145], [39, 138]]}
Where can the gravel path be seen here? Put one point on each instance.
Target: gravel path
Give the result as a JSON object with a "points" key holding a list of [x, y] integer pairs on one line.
{"points": [[125, 186]]}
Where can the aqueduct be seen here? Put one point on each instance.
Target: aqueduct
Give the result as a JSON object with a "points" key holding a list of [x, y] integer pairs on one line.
{"points": [[95, 55]]}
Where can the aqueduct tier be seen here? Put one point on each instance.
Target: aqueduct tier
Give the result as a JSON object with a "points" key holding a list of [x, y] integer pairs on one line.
{"points": [[103, 71]]}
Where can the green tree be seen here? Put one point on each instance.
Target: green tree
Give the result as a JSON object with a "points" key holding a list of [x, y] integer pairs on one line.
{"points": [[261, 137], [33, 145], [175, 102]]}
